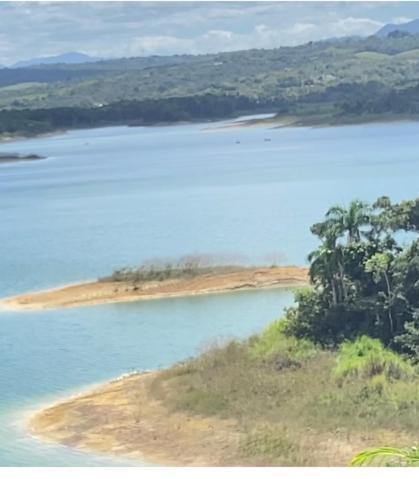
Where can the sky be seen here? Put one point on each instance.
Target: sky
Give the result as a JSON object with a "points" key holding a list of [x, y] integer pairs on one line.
{"points": [[123, 29]]}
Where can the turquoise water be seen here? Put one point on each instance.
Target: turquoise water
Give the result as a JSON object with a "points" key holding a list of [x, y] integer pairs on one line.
{"points": [[111, 197]]}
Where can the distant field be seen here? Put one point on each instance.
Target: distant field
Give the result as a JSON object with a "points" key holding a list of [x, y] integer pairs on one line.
{"points": [[372, 56], [412, 54]]}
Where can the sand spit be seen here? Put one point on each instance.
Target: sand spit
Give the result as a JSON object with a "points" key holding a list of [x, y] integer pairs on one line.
{"points": [[104, 292]]}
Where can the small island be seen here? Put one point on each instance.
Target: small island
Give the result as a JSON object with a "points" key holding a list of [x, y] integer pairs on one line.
{"points": [[155, 282], [14, 157]]}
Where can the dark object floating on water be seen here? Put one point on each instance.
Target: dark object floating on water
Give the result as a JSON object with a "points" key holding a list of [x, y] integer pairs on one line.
{"points": [[12, 157]]}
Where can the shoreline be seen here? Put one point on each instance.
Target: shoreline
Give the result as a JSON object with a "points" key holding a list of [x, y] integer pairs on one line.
{"points": [[107, 292], [282, 121], [321, 121], [122, 419], [133, 418]]}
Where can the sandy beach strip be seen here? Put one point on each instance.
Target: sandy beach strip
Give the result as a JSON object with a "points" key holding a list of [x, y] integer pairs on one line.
{"points": [[124, 418], [104, 292]]}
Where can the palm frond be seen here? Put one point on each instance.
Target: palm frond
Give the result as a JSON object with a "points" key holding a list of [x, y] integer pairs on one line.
{"points": [[387, 456]]}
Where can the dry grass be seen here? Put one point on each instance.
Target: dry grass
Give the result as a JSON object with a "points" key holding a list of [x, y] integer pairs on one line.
{"points": [[291, 413], [265, 402]]}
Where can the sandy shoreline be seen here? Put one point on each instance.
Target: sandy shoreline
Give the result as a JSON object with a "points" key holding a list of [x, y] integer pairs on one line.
{"points": [[129, 418], [284, 121], [123, 418], [105, 292]]}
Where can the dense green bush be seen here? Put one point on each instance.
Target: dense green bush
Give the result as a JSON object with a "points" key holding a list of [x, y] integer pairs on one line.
{"points": [[274, 341], [367, 358]]}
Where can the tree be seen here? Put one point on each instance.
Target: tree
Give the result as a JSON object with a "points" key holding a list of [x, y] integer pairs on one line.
{"points": [[366, 285], [379, 266], [324, 265], [349, 220]]}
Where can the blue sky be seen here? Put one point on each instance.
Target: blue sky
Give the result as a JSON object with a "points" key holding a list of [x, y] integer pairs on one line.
{"points": [[115, 29]]}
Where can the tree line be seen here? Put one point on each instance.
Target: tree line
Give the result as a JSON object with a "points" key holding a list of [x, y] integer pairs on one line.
{"points": [[200, 107]]}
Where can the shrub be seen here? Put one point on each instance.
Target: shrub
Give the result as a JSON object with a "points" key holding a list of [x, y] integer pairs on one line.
{"points": [[367, 358], [268, 441], [286, 348]]}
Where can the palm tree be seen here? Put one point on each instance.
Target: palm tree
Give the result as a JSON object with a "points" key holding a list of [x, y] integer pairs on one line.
{"points": [[349, 220], [327, 262], [324, 261], [379, 266]]}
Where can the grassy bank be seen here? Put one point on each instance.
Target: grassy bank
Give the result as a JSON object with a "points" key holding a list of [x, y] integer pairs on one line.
{"points": [[295, 404], [271, 400]]}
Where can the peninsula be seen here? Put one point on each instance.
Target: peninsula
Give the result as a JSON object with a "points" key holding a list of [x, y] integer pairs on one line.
{"points": [[139, 285]]}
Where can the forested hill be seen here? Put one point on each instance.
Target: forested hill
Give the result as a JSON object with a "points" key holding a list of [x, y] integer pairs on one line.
{"points": [[286, 72], [338, 80]]}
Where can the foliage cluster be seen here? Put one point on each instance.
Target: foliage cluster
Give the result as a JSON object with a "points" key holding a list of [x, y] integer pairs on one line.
{"points": [[288, 350], [366, 358], [364, 281], [186, 267]]}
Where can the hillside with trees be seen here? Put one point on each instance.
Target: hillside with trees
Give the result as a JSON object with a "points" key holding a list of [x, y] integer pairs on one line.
{"points": [[336, 81]]}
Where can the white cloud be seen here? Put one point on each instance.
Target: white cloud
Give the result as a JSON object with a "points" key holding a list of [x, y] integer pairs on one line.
{"points": [[110, 29], [356, 26], [299, 28], [399, 20]]}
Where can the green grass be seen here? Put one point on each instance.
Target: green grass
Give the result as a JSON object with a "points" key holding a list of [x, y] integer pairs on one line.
{"points": [[270, 442], [274, 341], [21, 87], [371, 56], [410, 55]]}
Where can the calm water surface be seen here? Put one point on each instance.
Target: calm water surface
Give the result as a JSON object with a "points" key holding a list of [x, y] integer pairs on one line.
{"points": [[111, 197]]}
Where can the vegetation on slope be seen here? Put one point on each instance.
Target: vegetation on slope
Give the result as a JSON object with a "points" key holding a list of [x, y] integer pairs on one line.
{"points": [[340, 368], [289, 407], [185, 268], [337, 375], [332, 81], [286, 72], [365, 281]]}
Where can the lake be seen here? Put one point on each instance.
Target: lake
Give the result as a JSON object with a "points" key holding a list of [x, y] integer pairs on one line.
{"points": [[113, 197]]}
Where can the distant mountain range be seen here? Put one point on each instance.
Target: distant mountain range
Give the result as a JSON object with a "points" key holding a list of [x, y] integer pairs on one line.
{"points": [[411, 28], [67, 58], [71, 58]]}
